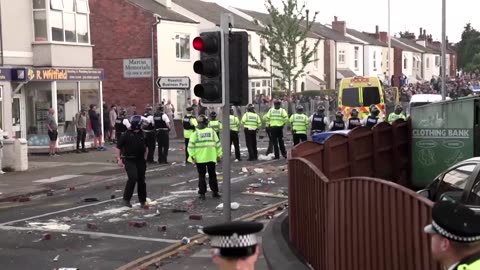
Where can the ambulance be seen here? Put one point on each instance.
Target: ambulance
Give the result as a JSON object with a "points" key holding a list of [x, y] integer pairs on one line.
{"points": [[360, 93]]}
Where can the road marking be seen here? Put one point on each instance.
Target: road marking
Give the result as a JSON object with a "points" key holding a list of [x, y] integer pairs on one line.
{"points": [[98, 234], [57, 178]]}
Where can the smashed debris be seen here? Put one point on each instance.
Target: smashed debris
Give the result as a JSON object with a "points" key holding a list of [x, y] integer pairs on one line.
{"points": [[255, 185], [195, 217], [46, 236], [244, 170], [110, 212], [185, 240], [92, 226], [24, 199], [51, 225], [137, 224], [90, 200], [112, 196], [56, 258], [233, 206], [112, 220], [266, 158], [259, 170], [162, 228]]}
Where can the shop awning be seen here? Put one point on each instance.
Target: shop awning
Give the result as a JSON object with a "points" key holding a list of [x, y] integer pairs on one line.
{"points": [[345, 73]]}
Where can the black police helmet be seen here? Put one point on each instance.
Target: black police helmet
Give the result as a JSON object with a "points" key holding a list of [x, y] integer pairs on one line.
{"points": [[136, 122], [231, 111], [277, 103], [375, 111], [299, 108], [250, 107], [213, 115], [202, 120], [321, 109], [354, 113], [339, 114]]}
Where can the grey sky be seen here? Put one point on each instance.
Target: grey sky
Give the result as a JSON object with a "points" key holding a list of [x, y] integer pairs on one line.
{"points": [[406, 14]]}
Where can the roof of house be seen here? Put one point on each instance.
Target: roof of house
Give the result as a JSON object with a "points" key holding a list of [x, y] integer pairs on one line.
{"points": [[212, 12], [157, 8], [265, 18], [398, 44], [330, 34], [417, 46], [366, 38]]}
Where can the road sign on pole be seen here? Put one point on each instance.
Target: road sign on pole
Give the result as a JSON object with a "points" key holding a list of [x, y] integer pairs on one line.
{"points": [[173, 82]]}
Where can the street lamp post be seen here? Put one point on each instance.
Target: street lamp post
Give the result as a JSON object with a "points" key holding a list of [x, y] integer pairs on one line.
{"points": [[444, 48], [158, 19]]}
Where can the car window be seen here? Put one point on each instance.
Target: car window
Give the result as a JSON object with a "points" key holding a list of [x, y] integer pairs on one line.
{"points": [[351, 97], [474, 196], [371, 95], [455, 180]]}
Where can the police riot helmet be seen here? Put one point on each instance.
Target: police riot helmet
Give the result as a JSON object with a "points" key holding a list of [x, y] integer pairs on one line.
{"points": [[190, 109], [398, 109], [123, 112], [299, 109], [231, 111], [250, 108], [213, 115], [354, 113], [372, 107], [339, 115], [136, 122], [277, 103], [375, 111], [321, 109]]}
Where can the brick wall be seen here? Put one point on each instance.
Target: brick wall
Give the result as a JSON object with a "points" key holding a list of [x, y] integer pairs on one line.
{"points": [[397, 65], [119, 31]]}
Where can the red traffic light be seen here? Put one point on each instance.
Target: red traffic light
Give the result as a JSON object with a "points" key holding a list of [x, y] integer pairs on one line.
{"points": [[198, 44]]}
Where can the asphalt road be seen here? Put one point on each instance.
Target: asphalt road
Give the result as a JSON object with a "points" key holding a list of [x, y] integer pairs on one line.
{"points": [[65, 231]]}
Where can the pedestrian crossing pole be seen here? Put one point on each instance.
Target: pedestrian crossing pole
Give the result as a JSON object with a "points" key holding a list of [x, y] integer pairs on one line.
{"points": [[226, 21]]}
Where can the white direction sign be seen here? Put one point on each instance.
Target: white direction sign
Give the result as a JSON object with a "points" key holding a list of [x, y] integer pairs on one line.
{"points": [[173, 82]]}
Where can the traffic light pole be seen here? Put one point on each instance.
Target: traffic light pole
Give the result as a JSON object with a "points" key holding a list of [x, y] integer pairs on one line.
{"points": [[226, 21]]}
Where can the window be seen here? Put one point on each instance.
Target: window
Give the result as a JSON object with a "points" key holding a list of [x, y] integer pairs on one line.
{"points": [[182, 46], [371, 95], [264, 83], [295, 56], [263, 59], [249, 44], [253, 84], [375, 61], [341, 57], [315, 58], [428, 62], [68, 19], [437, 60], [355, 63], [458, 177], [350, 97], [405, 63]]}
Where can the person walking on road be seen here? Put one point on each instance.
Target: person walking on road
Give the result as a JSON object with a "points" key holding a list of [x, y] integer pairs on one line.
{"points": [[189, 125], [149, 131], [234, 128], [96, 127], [81, 120], [205, 151], [299, 122], [52, 132], [234, 244], [455, 236], [131, 153], [162, 128], [251, 123], [112, 114], [276, 118]]}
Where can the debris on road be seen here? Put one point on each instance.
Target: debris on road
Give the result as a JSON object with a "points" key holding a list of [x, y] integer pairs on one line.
{"points": [[266, 158], [92, 226], [50, 193], [47, 236], [259, 170], [24, 199], [112, 196], [244, 170], [90, 200], [137, 224], [185, 240], [51, 225], [266, 194], [72, 188], [255, 185], [195, 217], [233, 206], [112, 220], [162, 228], [56, 258], [179, 211]]}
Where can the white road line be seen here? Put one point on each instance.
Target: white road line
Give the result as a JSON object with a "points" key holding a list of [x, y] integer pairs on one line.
{"points": [[99, 234], [57, 178]]}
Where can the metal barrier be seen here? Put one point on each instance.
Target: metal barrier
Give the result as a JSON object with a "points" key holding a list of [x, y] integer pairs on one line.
{"points": [[356, 223]]}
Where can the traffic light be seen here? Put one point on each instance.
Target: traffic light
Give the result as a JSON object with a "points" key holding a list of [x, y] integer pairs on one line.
{"points": [[238, 63], [209, 67]]}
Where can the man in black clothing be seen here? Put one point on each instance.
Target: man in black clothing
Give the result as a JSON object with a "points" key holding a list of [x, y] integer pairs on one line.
{"points": [[162, 127], [149, 131], [131, 153], [121, 123]]}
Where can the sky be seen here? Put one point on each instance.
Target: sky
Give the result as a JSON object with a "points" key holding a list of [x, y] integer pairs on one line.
{"points": [[364, 15]]}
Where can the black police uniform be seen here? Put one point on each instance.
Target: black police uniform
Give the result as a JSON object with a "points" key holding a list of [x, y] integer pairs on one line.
{"points": [[354, 122], [163, 139], [187, 126], [318, 123], [338, 125], [150, 139], [235, 240], [120, 128], [371, 121], [270, 143], [132, 146], [457, 223]]}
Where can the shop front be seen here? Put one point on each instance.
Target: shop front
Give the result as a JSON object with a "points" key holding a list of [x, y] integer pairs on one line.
{"points": [[65, 90]]}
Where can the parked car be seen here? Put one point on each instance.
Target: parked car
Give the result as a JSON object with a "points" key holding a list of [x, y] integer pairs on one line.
{"points": [[459, 183]]}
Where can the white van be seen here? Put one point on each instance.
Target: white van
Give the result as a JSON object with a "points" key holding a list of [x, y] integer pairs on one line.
{"points": [[423, 99]]}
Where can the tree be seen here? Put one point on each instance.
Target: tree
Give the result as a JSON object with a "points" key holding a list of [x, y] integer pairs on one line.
{"points": [[468, 47], [285, 32]]}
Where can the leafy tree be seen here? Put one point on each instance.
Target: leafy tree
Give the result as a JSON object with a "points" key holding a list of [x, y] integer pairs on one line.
{"points": [[468, 47], [284, 37]]}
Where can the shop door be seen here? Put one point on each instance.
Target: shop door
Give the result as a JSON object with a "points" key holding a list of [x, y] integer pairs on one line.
{"points": [[18, 116]]}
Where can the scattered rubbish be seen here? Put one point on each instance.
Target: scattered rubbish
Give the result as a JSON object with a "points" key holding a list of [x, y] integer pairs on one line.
{"points": [[64, 235], [50, 194], [166, 204], [241, 173], [112, 220], [137, 224], [157, 265], [185, 240], [266, 158], [184, 192], [29, 232], [149, 215], [280, 208], [162, 228], [118, 191], [89, 246], [112, 196], [66, 268], [110, 212], [195, 217], [51, 225], [125, 215], [244, 170], [147, 252], [92, 226], [255, 185], [191, 227], [157, 213], [24, 199], [173, 163], [179, 211], [233, 206], [90, 200], [47, 236], [196, 242], [259, 170], [265, 203], [108, 187], [72, 188], [266, 194], [56, 258], [257, 199]]}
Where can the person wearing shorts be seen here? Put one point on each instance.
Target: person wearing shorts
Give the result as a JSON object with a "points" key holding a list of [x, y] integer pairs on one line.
{"points": [[96, 127], [52, 132]]}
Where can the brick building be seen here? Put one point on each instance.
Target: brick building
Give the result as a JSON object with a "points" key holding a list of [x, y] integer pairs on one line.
{"points": [[122, 33]]}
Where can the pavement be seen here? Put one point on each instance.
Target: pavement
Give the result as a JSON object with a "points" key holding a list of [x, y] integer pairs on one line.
{"points": [[82, 224]]}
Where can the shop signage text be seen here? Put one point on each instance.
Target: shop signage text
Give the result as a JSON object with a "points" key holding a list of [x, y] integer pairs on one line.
{"points": [[54, 74], [441, 133], [137, 68], [173, 82], [5, 74]]}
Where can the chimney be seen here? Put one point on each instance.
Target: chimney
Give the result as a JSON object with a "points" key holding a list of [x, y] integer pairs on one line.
{"points": [[437, 44], [424, 34], [339, 26], [168, 4], [430, 39], [383, 37], [376, 29], [421, 32]]}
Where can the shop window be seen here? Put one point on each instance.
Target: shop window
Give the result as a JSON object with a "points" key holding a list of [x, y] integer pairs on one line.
{"points": [[182, 46], [38, 99], [67, 108], [89, 95]]}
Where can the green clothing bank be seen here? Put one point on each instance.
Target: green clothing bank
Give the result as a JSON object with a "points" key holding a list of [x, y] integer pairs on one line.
{"points": [[443, 134]]}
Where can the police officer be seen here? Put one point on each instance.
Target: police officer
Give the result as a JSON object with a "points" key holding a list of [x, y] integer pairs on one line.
{"points": [[373, 118], [149, 131], [234, 245], [215, 124], [205, 151], [299, 122], [338, 123], [318, 121], [397, 114], [234, 128], [354, 121], [276, 118], [251, 123], [189, 125], [131, 153], [121, 123], [455, 232], [162, 127]]}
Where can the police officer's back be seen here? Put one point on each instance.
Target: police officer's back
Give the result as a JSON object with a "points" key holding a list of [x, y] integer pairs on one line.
{"points": [[276, 118], [373, 118], [189, 125], [251, 123], [132, 154], [354, 121], [162, 128], [149, 130], [338, 123], [318, 121], [121, 123], [215, 124], [299, 122], [397, 114]]}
